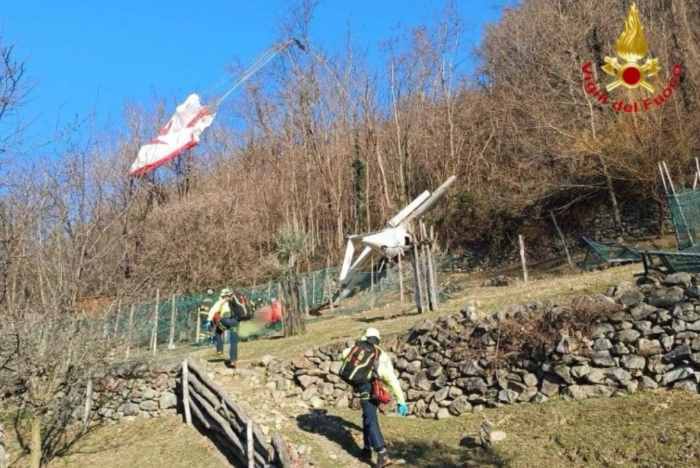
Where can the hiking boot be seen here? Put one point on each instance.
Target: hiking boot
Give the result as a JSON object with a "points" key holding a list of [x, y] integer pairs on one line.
{"points": [[231, 364], [366, 456], [383, 460]]}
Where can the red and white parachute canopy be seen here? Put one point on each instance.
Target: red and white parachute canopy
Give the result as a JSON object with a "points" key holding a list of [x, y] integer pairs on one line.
{"points": [[182, 132], [191, 118]]}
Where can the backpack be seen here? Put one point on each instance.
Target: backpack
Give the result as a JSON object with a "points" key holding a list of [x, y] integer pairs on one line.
{"points": [[359, 363]]}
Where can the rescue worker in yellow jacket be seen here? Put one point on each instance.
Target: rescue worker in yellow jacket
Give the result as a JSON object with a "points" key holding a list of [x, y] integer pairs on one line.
{"points": [[382, 369], [225, 314]]}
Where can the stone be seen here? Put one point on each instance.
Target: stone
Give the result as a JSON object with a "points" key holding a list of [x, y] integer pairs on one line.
{"points": [[422, 381], [642, 311], [424, 326], [309, 393], [441, 394], [326, 389], [648, 383], [663, 316], [325, 366], [649, 347], [435, 371], [460, 406], [694, 326], [644, 327], [530, 380], [678, 279], [167, 400], [628, 336], [602, 344], [619, 375], [631, 298], [695, 357], [443, 413], [149, 405], [581, 392], [549, 388], [655, 365], [508, 396], [130, 409], [342, 402], [620, 349], [632, 361], [540, 398], [678, 326], [455, 392], [580, 371], [676, 375], [335, 367], [667, 342], [301, 363], [689, 385], [603, 359], [564, 372], [595, 376], [306, 381], [602, 330], [316, 402], [266, 360], [472, 369], [679, 352], [564, 346], [666, 298], [695, 346], [472, 385]]}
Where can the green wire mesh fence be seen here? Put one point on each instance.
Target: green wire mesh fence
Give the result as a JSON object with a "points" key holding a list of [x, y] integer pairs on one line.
{"points": [[180, 319]]}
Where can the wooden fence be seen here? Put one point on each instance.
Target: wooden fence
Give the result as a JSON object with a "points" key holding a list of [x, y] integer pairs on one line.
{"points": [[227, 423]]}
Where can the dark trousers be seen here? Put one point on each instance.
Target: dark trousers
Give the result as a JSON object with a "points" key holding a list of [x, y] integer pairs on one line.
{"points": [[371, 432], [232, 326]]}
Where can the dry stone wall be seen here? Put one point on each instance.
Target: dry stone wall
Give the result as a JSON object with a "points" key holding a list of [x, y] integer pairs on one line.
{"points": [[644, 337], [134, 390]]}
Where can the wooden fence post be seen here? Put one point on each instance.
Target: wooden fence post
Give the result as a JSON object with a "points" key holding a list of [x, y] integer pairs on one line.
{"points": [[306, 297], [130, 330], [116, 319], [401, 277], [154, 336], [563, 240], [250, 447], [417, 278], [171, 341], [522, 256], [88, 404], [186, 392]]}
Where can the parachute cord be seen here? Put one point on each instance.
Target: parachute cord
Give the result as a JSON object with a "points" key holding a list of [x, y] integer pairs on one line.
{"points": [[263, 60]]}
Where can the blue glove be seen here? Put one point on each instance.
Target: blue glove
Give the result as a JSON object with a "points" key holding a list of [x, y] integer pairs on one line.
{"points": [[207, 324], [402, 409]]}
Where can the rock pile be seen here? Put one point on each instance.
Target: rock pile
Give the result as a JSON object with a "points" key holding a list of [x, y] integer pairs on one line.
{"points": [[636, 337], [134, 390]]}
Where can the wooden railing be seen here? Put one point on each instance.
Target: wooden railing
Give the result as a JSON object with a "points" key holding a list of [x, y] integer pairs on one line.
{"points": [[227, 422]]}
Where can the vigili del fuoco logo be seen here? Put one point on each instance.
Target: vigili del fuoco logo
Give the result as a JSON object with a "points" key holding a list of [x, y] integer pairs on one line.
{"points": [[631, 69]]}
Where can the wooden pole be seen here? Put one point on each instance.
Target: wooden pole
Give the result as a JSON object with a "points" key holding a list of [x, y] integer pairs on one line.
{"points": [[430, 267], [563, 240], [154, 336], [130, 330], [417, 280], [522, 256], [171, 341], [88, 404], [371, 285], [306, 296], [186, 392], [401, 277], [116, 319], [250, 447]]}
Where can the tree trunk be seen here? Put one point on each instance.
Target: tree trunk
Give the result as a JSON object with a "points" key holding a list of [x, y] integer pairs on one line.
{"points": [[35, 460], [613, 198], [293, 311]]}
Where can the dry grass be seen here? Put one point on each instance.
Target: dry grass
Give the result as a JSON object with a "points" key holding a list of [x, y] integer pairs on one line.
{"points": [[140, 443]]}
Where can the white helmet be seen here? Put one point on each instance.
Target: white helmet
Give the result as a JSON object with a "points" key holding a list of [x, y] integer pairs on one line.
{"points": [[371, 332]]}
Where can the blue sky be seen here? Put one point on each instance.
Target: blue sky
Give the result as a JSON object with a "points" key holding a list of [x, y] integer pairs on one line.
{"points": [[94, 56]]}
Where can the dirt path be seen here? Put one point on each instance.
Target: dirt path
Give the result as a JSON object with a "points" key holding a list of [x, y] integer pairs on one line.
{"points": [[318, 436]]}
